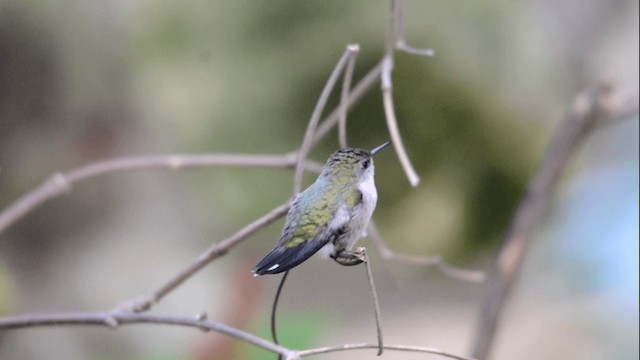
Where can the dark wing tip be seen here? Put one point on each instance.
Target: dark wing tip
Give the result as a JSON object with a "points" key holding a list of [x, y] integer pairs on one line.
{"points": [[283, 259], [268, 265], [277, 261]]}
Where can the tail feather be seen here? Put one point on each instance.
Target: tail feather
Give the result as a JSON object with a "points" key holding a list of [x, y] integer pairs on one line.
{"points": [[282, 259]]}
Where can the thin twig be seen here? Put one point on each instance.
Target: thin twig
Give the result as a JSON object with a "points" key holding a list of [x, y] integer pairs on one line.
{"points": [[115, 319], [443, 266], [307, 142], [348, 347], [62, 183], [376, 303], [403, 46], [274, 333], [387, 96], [396, 139], [589, 109], [344, 98], [361, 88], [216, 250], [401, 43]]}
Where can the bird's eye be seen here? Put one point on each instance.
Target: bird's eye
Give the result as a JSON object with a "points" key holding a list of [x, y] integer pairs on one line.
{"points": [[366, 163]]}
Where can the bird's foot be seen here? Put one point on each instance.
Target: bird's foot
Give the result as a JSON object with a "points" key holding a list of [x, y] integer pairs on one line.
{"points": [[351, 258]]}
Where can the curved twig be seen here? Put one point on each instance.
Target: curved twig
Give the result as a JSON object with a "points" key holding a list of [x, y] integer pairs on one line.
{"points": [[401, 43], [361, 88], [307, 142], [274, 332], [348, 347]]}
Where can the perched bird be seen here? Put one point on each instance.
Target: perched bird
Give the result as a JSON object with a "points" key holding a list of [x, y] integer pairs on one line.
{"points": [[330, 215]]}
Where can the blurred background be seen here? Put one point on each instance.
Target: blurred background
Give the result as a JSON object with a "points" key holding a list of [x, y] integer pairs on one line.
{"points": [[82, 81]]}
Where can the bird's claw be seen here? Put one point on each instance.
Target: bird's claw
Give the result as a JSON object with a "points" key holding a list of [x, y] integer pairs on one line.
{"points": [[351, 258]]}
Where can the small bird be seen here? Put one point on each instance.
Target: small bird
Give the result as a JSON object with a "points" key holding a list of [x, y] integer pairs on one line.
{"points": [[330, 215]]}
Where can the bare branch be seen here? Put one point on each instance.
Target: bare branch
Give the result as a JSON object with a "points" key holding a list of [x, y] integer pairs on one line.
{"points": [[392, 124], [401, 43], [349, 347], [444, 267], [344, 99], [387, 95], [589, 109], [376, 303], [307, 142], [215, 251], [62, 183], [115, 319], [361, 88]]}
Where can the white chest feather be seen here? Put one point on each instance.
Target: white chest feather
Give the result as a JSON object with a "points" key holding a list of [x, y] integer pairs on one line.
{"points": [[369, 200], [358, 218]]}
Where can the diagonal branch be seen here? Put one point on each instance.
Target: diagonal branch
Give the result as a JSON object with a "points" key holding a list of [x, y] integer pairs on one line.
{"points": [[361, 88], [215, 251], [590, 109], [307, 142], [344, 98]]}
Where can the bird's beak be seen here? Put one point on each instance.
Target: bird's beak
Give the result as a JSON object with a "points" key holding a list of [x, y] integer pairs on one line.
{"points": [[374, 151]]}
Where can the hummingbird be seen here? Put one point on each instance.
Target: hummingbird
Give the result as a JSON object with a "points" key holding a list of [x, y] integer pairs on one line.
{"points": [[330, 216]]}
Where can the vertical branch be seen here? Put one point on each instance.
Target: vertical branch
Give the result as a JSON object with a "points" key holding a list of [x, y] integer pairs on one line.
{"points": [[376, 303], [344, 98], [589, 110], [387, 94], [307, 143]]}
